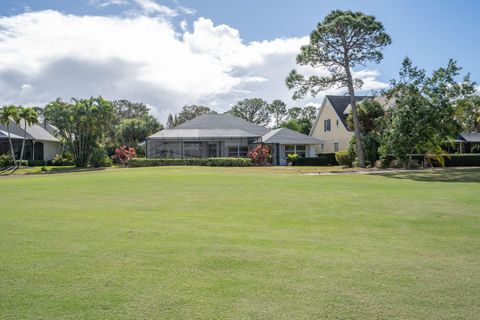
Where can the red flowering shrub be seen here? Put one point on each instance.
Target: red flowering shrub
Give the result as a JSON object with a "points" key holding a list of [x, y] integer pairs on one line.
{"points": [[123, 154], [260, 156]]}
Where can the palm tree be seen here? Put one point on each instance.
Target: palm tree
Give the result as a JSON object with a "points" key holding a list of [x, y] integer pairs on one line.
{"points": [[29, 117], [8, 113]]}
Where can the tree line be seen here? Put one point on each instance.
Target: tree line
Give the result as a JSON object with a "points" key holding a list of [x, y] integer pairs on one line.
{"points": [[255, 110]]}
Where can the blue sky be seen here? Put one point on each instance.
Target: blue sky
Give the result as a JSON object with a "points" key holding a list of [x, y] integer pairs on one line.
{"points": [[430, 32]]}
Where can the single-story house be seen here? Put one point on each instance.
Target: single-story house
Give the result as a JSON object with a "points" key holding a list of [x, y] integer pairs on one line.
{"points": [[39, 143], [467, 143], [223, 135]]}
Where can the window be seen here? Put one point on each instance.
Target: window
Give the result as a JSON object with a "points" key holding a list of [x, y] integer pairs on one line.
{"points": [[300, 150], [321, 147], [337, 123], [327, 126], [192, 150], [238, 151], [335, 147]]}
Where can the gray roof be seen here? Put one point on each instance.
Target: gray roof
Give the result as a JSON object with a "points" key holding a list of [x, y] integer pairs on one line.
{"points": [[222, 121], [470, 137], [4, 135], [34, 132], [340, 103], [287, 136], [215, 126], [177, 133]]}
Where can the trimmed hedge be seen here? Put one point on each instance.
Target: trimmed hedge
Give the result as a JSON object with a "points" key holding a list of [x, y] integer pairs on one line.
{"points": [[205, 162], [36, 163], [318, 161], [454, 160], [463, 160]]}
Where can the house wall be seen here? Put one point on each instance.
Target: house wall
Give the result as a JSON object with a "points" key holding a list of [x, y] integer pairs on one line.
{"points": [[338, 134], [50, 149]]}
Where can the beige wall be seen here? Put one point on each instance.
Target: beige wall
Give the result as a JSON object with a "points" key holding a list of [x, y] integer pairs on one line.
{"points": [[338, 134], [50, 149]]}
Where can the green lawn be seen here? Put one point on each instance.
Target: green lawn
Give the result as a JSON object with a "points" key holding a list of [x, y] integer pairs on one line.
{"points": [[246, 243]]}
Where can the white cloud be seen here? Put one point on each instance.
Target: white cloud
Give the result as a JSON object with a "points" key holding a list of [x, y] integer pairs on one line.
{"points": [[47, 54], [150, 6]]}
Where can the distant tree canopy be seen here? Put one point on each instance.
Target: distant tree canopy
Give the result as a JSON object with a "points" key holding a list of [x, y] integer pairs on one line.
{"points": [[300, 119], [278, 112], [188, 112], [254, 110]]}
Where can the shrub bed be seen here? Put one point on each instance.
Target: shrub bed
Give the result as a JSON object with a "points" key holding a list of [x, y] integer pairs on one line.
{"points": [[206, 162], [36, 163], [318, 161], [463, 160], [343, 158]]}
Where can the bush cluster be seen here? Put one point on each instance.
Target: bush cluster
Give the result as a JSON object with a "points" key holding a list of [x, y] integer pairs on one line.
{"points": [[343, 158], [206, 162], [318, 161], [64, 159], [100, 159]]}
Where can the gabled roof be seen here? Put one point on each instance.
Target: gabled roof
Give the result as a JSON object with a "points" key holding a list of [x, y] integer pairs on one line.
{"points": [[4, 135], [340, 104], [470, 137], [287, 136], [222, 121], [34, 132]]}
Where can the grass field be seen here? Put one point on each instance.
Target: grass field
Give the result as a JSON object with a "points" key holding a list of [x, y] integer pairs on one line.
{"points": [[247, 243]]}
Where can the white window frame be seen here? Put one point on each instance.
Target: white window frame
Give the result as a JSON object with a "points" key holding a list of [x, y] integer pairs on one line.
{"points": [[337, 145], [295, 150], [238, 151]]}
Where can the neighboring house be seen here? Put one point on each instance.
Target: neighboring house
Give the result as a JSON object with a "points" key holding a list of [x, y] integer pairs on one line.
{"points": [[39, 143], [467, 143], [330, 126], [223, 135]]}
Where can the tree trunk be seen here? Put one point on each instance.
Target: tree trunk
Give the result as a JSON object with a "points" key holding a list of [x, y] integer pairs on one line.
{"points": [[356, 124], [23, 142], [11, 146]]}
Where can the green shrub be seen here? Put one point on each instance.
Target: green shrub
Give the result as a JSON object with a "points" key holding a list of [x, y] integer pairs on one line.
{"points": [[463, 160], [292, 157], [36, 163], [100, 159], [343, 158], [318, 161], [5, 160], [206, 162], [64, 159]]}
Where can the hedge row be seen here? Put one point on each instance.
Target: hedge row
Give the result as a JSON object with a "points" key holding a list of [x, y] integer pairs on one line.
{"points": [[325, 159], [463, 160], [206, 162], [454, 160]]}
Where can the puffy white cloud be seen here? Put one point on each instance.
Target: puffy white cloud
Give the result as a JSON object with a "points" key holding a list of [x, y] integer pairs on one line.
{"points": [[142, 57]]}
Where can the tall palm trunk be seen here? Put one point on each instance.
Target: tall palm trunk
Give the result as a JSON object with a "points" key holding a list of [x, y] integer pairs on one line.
{"points": [[11, 145], [356, 123], [23, 142]]}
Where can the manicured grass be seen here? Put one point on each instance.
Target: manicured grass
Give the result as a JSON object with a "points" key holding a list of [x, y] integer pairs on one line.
{"points": [[239, 243]]}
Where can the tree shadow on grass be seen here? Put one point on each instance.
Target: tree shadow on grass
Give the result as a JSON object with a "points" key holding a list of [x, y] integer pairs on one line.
{"points": [[439, 175]]}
